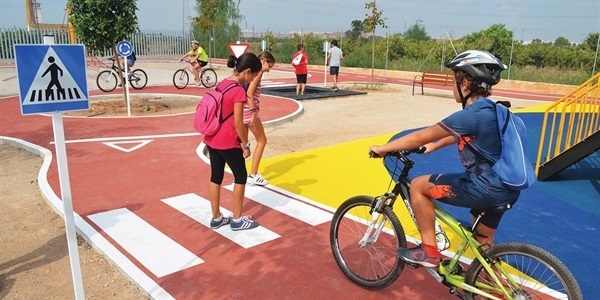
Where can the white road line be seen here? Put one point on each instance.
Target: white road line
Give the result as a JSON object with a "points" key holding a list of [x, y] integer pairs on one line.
{"points": [[153, 249], [198, 208], [287, 205]]}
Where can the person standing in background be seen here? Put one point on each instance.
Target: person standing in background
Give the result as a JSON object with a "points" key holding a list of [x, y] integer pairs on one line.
{"points": [[334, 61], [300, 63]]}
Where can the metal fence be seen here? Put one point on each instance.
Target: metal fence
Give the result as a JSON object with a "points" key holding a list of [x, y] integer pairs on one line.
{"points": [[145, 42]]}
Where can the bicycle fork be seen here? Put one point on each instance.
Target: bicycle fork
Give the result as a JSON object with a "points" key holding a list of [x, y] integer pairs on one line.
{"points": [[377, 222]]}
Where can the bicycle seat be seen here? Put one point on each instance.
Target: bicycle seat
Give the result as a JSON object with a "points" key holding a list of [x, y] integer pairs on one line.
{"points": [[498, 209]]}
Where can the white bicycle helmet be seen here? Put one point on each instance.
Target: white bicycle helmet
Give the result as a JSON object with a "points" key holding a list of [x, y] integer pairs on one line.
{"points": [[195, 42], [483, 66]]}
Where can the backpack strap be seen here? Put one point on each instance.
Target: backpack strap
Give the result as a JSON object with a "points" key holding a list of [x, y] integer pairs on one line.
{"points": [[506, 122], [480, 156], [225, 90]]}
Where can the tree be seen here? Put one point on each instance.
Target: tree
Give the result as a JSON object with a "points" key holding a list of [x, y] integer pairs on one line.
{"points": [[100, 24], [592, 40], [370, 23], [217, 17], [271, 41], [562, 42], [416, 32], [357, 28], [496, 39]]}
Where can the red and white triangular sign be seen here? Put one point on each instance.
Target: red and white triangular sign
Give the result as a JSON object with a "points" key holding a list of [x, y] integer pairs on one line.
{"points": [[238, 49]]}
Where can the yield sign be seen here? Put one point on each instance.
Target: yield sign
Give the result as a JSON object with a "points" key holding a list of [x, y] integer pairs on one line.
{"points": [[238, 49]]}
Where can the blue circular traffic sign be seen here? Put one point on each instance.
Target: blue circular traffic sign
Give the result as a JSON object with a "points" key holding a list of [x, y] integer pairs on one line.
{"points": [[124, 48]]}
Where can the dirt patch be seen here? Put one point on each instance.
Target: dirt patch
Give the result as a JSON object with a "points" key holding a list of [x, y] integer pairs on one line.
{"points": [[140, 106]]}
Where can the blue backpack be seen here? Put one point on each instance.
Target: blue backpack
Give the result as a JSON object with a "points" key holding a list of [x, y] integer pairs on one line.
{"points": [[513, 167]]}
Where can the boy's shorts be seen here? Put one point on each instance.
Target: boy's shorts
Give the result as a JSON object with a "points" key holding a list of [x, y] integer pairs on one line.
{"points": [[130, 63], [334, 70], [301, 78], [459, 190]]}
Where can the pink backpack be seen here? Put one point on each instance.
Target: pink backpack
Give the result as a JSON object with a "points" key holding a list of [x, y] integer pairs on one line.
{"points": [[208, 118]]}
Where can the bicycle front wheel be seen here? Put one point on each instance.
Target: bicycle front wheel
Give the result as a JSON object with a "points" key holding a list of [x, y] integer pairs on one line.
{"points": [[526, 272], [106, 81], [367, 259], [181, 79], [138, 79], [208, 77]]}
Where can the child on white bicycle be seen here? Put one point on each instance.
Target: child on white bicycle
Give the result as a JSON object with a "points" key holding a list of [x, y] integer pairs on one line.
{"points": [[478, 187], [197, 58]]}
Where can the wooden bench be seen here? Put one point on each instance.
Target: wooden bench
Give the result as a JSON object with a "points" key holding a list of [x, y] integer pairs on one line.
{"points": [[434, 78]]}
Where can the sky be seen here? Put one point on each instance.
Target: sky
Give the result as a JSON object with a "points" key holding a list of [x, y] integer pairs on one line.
{"points": [[528, 19]]}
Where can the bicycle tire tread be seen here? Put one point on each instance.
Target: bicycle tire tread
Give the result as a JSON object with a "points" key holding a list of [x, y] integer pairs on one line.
{"points": [[515, 248]]}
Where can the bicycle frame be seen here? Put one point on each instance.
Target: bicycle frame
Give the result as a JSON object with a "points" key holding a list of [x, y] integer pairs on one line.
{"points": [[186, 65], [402, 189], [468, 242]]}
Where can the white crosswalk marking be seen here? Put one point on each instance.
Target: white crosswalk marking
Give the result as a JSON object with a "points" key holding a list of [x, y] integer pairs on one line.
{"points": [[198, 208], [153, 249], [287, 205]]}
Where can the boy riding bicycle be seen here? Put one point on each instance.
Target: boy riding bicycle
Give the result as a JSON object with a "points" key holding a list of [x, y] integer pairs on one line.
{"points": [[478, 187]]}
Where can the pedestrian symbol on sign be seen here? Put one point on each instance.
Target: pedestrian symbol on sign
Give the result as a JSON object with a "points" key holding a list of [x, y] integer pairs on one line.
{"points": [[53, 69]]}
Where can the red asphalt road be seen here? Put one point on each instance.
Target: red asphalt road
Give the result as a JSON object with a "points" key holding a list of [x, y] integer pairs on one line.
{"points": [[299, 265]]}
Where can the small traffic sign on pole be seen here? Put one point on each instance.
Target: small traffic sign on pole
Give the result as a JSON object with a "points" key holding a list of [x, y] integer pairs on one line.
{"points": [[51, 78], [238, 49], [124, 48]]}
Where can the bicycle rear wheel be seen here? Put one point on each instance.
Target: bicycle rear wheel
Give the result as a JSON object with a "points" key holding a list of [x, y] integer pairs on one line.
{"points": [[208, 77], [372, 264], [138, 79], [181, 79], [535, 273], [106, 81]]}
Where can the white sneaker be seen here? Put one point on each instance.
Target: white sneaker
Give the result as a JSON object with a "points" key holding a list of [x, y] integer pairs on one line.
{"points": [[256, 179]]}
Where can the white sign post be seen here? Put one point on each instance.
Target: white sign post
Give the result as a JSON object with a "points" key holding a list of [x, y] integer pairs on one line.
{"points": [[53, 79], [326, 50], [125, 49]]}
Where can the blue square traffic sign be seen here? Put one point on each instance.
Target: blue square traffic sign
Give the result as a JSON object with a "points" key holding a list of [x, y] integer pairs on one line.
{"points": [[51, 78]]}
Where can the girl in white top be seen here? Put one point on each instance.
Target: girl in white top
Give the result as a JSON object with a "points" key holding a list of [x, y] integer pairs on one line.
{"points": [[252, 119]]}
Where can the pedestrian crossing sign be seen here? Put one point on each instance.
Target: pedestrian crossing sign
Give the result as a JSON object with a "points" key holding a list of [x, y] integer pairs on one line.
{"points": [[51, 78]]}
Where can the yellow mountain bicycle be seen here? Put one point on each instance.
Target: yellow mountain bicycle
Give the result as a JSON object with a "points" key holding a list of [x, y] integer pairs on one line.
{"points": [[365, 235]]}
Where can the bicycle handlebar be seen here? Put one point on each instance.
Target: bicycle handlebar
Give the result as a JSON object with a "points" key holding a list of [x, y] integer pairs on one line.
{"points": [[400, 154]]}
